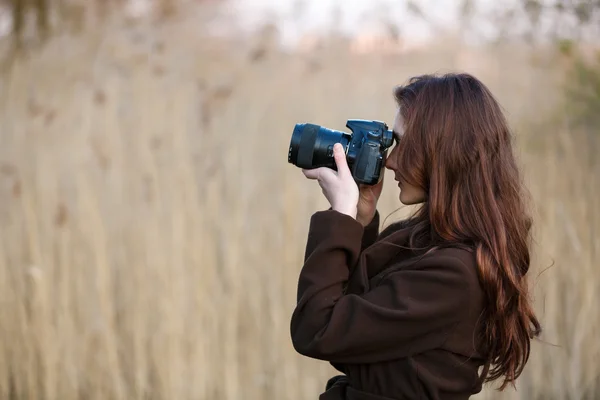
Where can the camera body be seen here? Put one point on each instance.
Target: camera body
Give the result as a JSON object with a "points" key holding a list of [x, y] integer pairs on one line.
{"points": [[366, 147]]}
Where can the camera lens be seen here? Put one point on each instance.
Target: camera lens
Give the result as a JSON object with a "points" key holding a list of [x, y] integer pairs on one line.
{"points": [[312, 146]]}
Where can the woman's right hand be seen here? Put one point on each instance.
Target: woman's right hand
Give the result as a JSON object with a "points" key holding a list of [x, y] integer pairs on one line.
{"points": [[367, 201]]}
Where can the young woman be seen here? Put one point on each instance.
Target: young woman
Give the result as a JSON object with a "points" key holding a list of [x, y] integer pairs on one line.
{"points": [[433, 306]]}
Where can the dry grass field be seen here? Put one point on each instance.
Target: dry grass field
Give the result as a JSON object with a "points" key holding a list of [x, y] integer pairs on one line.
{"points": [[152, 230]]}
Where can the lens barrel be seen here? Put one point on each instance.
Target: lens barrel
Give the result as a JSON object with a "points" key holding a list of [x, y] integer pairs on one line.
{"points": [[311, 146]]}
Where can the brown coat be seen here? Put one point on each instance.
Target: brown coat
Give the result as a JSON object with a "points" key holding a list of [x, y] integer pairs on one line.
{"points": [[398, 324]]}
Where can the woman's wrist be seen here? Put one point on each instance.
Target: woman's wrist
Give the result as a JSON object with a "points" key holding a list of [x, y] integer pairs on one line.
{"points": [[365, 220], [350, 211]]}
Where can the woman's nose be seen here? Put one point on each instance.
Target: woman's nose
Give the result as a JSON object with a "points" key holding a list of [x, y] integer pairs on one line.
{"points": [[388, 162]]}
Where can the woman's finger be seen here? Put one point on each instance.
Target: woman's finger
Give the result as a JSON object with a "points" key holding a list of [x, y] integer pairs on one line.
{"points": [[320, 174], [311, 173], [339, 155]]}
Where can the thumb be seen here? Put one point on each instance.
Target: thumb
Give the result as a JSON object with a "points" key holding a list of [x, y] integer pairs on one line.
{"points": [[339, 155]]}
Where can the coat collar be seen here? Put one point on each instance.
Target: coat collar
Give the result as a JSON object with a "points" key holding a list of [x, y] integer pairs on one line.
{"points": [[374, 259]]}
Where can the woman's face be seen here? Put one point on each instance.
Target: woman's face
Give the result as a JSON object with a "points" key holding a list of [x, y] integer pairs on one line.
{"points": [[408, 194]]}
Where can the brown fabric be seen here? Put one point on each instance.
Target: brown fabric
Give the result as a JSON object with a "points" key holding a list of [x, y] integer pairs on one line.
{"points": [[398, 324]]}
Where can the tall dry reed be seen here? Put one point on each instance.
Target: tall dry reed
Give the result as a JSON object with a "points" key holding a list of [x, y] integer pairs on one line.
{"points": [[152, 230]]}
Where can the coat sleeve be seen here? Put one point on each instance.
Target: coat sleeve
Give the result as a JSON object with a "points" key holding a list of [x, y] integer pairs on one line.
{"points": [[370, 232], [410, 311]]}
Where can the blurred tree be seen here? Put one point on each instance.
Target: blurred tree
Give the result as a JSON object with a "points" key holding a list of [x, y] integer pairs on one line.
{"points": [[574, 26], [41, 7], [414, 8], [20, 7], [167, 8], [70, 14]]}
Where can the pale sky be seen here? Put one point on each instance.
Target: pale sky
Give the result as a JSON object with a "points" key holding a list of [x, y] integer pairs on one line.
{"points": [[297, 17]]}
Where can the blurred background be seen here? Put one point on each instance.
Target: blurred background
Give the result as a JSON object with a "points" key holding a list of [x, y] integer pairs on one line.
{"points": [[152, 230]]}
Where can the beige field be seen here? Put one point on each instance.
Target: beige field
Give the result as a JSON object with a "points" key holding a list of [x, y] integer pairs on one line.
{"points": [[152, 230]]}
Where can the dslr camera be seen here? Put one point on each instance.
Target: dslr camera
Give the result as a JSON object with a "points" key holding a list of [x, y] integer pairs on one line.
{"points": [[366, 147]]}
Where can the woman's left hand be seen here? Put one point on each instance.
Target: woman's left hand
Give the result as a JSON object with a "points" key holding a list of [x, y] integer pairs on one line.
{"points": [[339, 187]]}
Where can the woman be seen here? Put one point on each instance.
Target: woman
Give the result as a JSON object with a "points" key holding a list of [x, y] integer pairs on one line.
{"points": [[434, 306]]}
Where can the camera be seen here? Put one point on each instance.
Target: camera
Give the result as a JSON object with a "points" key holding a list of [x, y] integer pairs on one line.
{"points": [[366, 147]]}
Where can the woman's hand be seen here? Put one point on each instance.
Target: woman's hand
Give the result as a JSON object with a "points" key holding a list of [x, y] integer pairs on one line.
{"points": [[339, 187], [367, 202]]}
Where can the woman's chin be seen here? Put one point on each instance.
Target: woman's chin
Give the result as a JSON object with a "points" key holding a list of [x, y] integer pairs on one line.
{"points": [[408, 200], [404, 200]]}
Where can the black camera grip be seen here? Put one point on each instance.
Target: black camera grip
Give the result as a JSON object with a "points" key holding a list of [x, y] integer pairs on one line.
{"points": [[367, 167]]}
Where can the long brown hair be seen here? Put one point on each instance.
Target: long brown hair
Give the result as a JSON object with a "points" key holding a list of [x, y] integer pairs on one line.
{"points": [[457, 147]]}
